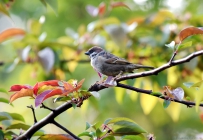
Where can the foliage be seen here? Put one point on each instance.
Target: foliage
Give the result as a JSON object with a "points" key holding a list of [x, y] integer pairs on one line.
{"points": [[48, 42]]}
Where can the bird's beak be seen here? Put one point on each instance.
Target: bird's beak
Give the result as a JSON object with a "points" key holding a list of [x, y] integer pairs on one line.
{"points": [[87, 53]]}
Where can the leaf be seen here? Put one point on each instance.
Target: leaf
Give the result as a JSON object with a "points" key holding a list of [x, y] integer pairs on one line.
{"points": [[88, 125], [189, 31], [46, 94], [85, 134], [3, 100], [53, 4], [148, 103], [109, 138], [47, 58], [102, 9], [198, 84], [19, 87], [120, 93], [166, 103], [21, 93], [10, 33], [171, 45], [2, 90], [97, 125], [1, 135], [185, 45], [79, 85], [178, 93], [18, 126], [16, 116], [3, 10], [92, 10], [188, 84], [119, 4], [133, 137], [56, 137], [95, 94], [2, 118]]}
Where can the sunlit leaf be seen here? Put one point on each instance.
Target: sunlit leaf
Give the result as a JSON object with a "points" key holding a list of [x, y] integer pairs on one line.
{"points": [[189, 31], [185, 45], [47, 58], [166, 103], [178, 93], [109, 138], [21, 93], [171, 45], [2, 90], [88, 125], [53, 4], [118, 4], [93, 11], [18, 126], [46, 94], [147, 102], [85, 134], [97, 125], [120, 93], [174, 111], [3, 100], [188, 84], [11, 33], [56, 137], [2, 118], [16, 116], [198, 84]]}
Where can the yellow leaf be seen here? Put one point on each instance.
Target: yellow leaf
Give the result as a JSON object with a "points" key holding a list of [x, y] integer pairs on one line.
{"points": [[120, 92], [133, 95], [172, 76], [174, 111], [22, 93], [147, 102]]}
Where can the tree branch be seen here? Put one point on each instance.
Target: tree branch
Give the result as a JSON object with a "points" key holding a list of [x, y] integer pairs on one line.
{"points": [[33, 111], [66, 130], [159, 69]]}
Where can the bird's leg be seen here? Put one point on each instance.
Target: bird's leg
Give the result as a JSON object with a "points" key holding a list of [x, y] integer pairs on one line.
{"points": [[119, 75], [109, 82]]}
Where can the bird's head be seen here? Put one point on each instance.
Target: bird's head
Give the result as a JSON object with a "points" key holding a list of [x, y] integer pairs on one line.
{"points": [[92, 52]]}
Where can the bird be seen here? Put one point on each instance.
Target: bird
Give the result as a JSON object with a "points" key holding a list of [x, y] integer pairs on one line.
{"points": [[108, 64]]}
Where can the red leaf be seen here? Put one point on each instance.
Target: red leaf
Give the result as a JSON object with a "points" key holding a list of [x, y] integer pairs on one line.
{"points": [[102, 9], [46, 94], [189, 31], [22, 93], [10, 33], [35, 89], [118, 4], [19, 87]]}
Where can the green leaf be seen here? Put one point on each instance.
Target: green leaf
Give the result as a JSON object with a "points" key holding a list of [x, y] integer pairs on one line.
{"points": [[3, 10], [109, 138], [124, 126], [107, 121], [88, 125], [18, 126], [185, 45], [53, 4], [97, 125], [39, 133], [188, 84], [99, 133], [198, 84], [133, 137], [3, 100], [2, 118], [85, 134], [74, 105], [95, 94], [1, 135], [166, 103], [8, 134], [3, 91], [17, 117], [60, 99]]}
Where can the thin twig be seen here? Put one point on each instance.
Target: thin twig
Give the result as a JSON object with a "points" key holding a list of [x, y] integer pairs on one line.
{"points": [[66, 130], [33, 111], [172, 58], [43, 106], [187, 103]]}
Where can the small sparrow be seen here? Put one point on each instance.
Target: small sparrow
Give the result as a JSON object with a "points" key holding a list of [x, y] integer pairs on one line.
{"points": [[110, 65]]}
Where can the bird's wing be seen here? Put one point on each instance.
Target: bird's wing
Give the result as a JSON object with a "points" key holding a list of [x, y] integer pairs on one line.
{"points": [[112, 59]]}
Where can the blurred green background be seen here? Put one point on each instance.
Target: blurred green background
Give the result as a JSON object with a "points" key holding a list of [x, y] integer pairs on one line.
{"points": [[57, 35]]}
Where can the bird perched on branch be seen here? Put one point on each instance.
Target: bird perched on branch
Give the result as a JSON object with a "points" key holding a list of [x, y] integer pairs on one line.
{"points": [[110, 65]]}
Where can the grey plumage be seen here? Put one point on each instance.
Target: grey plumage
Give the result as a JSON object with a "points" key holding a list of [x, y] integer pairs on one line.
{"points": [[109, 64]]}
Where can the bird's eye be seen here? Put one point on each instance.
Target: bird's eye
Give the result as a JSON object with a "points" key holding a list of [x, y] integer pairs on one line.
{"points": [[93, 54]]}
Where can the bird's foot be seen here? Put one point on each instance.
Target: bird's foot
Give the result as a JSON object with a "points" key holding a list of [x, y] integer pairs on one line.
{"points": [[109, 82]]}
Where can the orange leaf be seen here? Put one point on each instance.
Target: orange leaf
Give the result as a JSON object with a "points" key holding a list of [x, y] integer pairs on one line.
{"points": [[56, 137], [118, 4], [10, 33], [102, 8], [189, 31], [68, 86], [79, 85], [22, 93], [50, 83]]}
